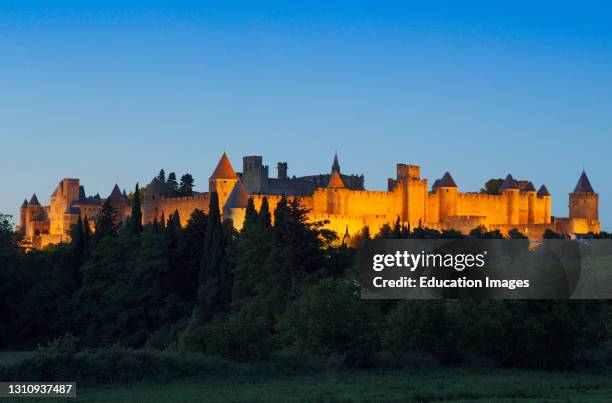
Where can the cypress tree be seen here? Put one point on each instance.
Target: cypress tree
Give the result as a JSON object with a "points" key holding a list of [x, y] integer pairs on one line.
{"points": [[215, 291], [136, 218], [86, 235], [264, 214], [78, 248], [105, 225], [251, 216]]}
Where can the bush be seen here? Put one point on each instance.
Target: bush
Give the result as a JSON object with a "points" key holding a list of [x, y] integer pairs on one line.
{"points": [[422, 327], [114, 365], [329, 318], [527, 334]]}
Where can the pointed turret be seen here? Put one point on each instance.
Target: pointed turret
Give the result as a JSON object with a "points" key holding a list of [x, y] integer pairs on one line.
{"points": [[223, 179], [224, 169], [529, 187], [335, 181], [508, 183], [24, 204], [335, 165], [447, 181], [239, 198], [583, 201], [34, 201], [583, 185], [116, 194], [543, 191], [235, 207]]}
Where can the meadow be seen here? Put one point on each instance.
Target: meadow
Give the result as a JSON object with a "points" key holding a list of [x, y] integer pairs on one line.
{"points": [[443, 384]]}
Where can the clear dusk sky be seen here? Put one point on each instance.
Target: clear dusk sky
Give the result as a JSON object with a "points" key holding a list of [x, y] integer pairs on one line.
{"points": [[115, 90]]}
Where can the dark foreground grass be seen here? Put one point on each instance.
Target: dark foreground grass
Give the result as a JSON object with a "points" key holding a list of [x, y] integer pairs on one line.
{"points": [[443, 384]]}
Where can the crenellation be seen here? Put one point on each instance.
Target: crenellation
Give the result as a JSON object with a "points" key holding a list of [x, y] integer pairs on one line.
{"points": [[443, 207]]}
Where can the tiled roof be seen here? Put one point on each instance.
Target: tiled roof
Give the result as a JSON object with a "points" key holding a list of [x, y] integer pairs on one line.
{"points": [[543, 191], [224, 169], [335, 181], [509, 183], [447, 181], [34, 201], [583, 185], [238, 198], [529, 187]]}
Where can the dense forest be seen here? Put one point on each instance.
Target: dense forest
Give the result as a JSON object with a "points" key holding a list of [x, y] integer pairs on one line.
{"points": [[242, 296]]}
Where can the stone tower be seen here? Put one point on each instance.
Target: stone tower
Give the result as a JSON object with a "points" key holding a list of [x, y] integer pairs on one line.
{"points": [[583, 201], [335, 199], [23, 210], [223, 180], [254, 174], [532, 196], [154, 196], [447, 189], [235, 206], [545, 194], [281, 169], [511, 191]]}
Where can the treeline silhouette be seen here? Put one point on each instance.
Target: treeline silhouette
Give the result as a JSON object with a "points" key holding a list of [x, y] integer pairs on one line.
{"points": [[281, 284]]}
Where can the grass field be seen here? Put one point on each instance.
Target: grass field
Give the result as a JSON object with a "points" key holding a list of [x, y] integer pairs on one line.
{"points": [[449, 385]]}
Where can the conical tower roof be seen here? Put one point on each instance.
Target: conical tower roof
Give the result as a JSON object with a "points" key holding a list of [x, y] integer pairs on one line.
{"points": [[583, 185], [238, 198], [447, 181], [24, 204], [336, 164], [509, 183], [543, 191], [116, 194], [335, 181], [529, 187], [224, 169], [34, 201]]}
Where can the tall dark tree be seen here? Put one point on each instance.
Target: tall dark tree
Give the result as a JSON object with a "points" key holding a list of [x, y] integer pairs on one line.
{"points": [[251, 216], [78, 246], [136, 219], [86, 235], [214, 293], [186, 185], [105, 225], [173, 186], [265, 219], [162, 176]]}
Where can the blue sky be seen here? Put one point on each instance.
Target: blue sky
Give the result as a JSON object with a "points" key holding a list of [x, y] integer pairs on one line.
{"points": [[113, 91]]}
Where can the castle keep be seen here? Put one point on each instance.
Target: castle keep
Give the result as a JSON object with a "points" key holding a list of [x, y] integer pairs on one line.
{"points": [[334, 197]]}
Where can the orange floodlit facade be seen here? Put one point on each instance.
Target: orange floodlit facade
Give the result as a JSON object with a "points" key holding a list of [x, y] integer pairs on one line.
{"points": [[337, 198]]}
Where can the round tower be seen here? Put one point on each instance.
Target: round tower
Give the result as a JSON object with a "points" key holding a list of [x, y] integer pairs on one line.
{"points": [[22, 216], [223, 180], [532, 196], [583, 201], [447, 190], [154, 195], [511, 192], [334, 193], [235, 206], [544, 194]]}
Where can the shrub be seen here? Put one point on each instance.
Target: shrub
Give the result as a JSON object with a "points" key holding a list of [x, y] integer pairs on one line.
{"points": [[422, 327], [329, 318]]}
